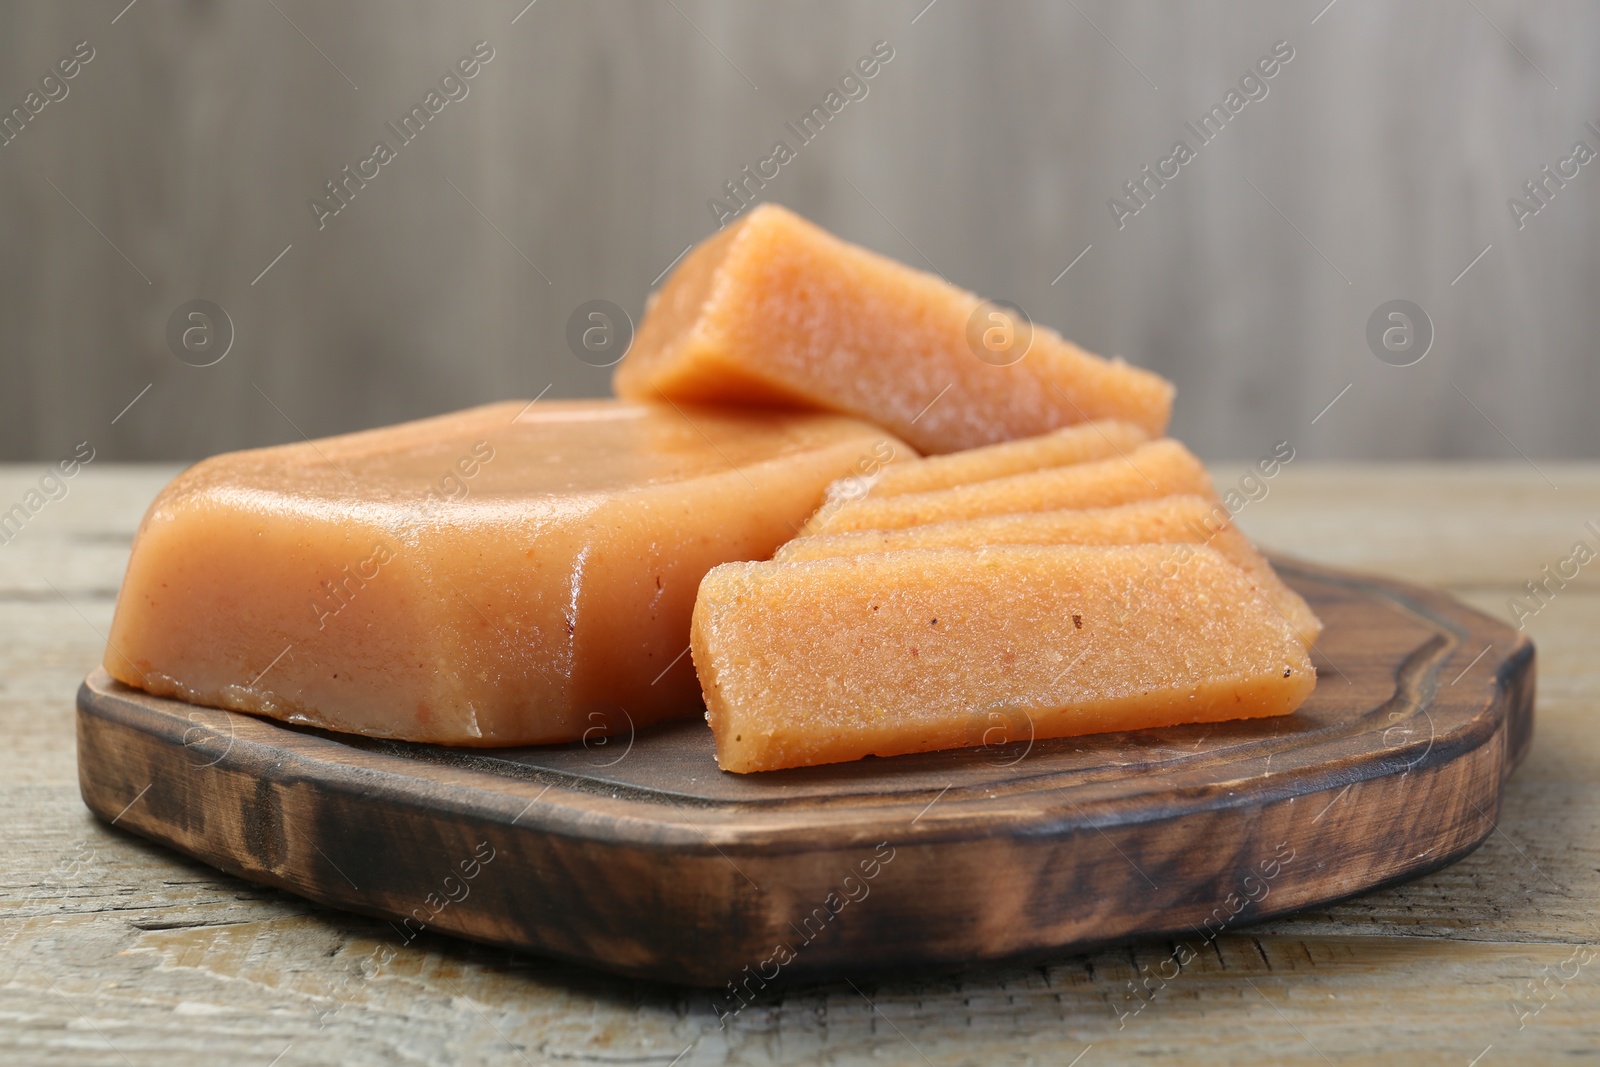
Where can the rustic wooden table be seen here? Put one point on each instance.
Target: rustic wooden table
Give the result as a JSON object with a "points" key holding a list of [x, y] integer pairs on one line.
{"points": [[114, 951]]}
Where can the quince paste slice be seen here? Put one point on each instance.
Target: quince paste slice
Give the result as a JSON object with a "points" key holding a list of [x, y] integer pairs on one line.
{"points": [[512, 574], [774, 311], [1168, 520], [835, 659], [1157, 469], [1062, 448]]}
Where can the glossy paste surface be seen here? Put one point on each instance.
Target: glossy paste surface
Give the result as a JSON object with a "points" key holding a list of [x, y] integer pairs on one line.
{"points": [[510, 574]]}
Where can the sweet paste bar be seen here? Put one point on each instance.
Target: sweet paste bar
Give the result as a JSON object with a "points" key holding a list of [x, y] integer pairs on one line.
{"points": [[774, 311], [1168, 520], [511, 574], [1157, 469], [835, 659], [1073, 444]]}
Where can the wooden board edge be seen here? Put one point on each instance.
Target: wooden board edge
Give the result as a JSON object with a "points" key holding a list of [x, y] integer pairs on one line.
{"points": [[747, 920]]}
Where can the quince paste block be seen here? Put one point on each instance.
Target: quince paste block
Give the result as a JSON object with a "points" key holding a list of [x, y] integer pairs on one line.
{"points": [[1168, 520], [512, 574], [775, 311], [1157, 469], [879, 655], [1073, 444]]}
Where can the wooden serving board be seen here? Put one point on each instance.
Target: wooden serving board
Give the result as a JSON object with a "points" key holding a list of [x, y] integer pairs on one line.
{"points": [[635, 854]]}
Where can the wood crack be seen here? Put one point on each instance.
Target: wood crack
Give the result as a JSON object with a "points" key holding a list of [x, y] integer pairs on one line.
{"points": [[186, 924]]}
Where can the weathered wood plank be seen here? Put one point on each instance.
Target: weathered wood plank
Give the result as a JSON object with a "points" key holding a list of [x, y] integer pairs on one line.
{"points": [[1451, 525], [248, 978]]}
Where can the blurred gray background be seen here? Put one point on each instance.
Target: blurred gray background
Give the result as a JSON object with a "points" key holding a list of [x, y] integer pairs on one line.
{"points": [[180, 163]]}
